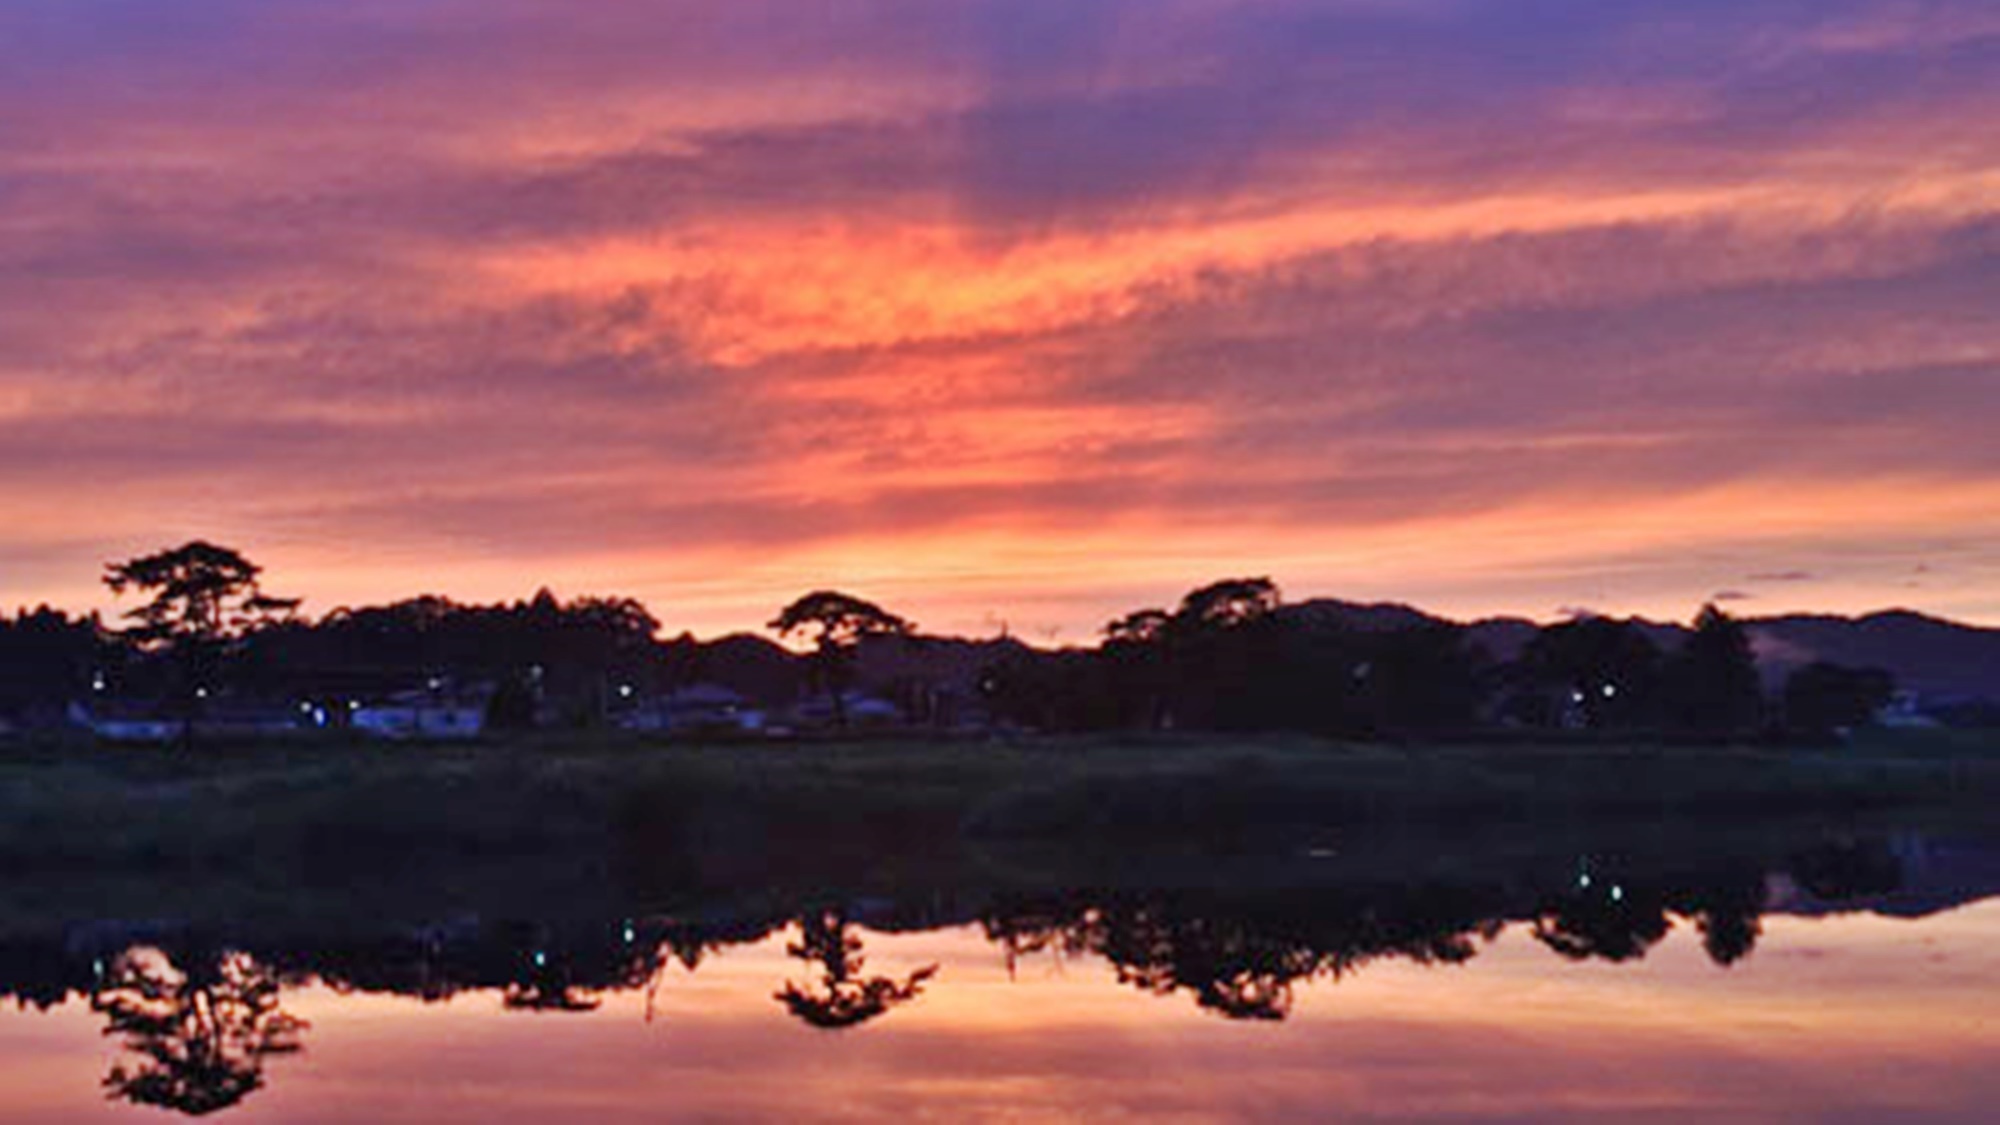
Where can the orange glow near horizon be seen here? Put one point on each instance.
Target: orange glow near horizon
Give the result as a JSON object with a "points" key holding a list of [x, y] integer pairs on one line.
{"points": [[1008, 316]]}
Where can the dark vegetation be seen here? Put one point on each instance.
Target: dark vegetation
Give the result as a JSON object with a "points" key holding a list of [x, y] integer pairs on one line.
{"points": [[594, 823], [1231, 658]]}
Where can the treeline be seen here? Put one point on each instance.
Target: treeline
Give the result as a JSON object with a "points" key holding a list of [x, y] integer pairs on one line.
{"points": [[1232, 656], [48, 657]]}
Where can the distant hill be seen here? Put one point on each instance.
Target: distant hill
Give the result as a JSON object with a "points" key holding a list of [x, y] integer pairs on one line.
{"points": [[1936, 658], [1503, 638], [758, 669], [774, 676], [1379, 617]]}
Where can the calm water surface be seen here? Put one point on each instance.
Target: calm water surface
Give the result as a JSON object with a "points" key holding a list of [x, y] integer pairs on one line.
{"points": [[1137, 1010]]}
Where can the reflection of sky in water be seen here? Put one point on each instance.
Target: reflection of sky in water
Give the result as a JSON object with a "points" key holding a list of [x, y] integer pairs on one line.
{"points": [[1848, 1019]]}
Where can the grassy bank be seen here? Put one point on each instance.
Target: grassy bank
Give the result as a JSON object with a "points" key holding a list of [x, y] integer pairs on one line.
{"points": [[603, 825]]}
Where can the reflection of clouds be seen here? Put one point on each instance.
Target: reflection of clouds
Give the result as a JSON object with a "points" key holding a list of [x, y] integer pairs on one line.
{"points": [[845, 289], [1839, 1010]]}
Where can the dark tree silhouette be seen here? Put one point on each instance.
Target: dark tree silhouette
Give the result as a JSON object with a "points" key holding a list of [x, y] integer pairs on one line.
{"points": [[201, 1035], [1823, 698], [1218, 645], [1608, 670], [201, 594], [1712, 685], [1228, 604], [1242, 959], [836, 623], [567, 658], [48, 658], [1138, 667], [204, 600], [1607, 919], [1414, 680], [549, 995], [1143, 627], [1729, 931], [842, 998]]}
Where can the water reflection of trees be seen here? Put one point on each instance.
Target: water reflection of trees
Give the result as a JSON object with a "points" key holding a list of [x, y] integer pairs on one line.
{"points": [[197, 1025], [199, 1030], [1243, 958], [534, 967], [1619, 916], [841, 997]]}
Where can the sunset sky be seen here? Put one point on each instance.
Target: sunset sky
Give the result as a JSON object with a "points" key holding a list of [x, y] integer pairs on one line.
{"points": [[1021, 311]]}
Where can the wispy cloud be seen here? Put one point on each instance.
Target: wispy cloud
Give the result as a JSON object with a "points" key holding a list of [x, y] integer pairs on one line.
{"points": [[1001, 303]]}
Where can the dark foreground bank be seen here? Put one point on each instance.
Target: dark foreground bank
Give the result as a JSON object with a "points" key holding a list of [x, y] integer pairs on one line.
{"points": [[333, 837]]}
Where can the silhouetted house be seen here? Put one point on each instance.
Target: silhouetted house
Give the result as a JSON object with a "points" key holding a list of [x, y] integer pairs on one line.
{"points": [[1906, 711], [116, 721], [865, 712], [433, 715], [142, 722], [699, 709]]}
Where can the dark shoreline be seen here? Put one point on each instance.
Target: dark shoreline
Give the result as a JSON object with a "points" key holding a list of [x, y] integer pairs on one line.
{"points": [[327, 835]]}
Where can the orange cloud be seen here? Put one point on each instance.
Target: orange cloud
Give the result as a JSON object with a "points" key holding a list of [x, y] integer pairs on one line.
{"points": [[1030, 310]]}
